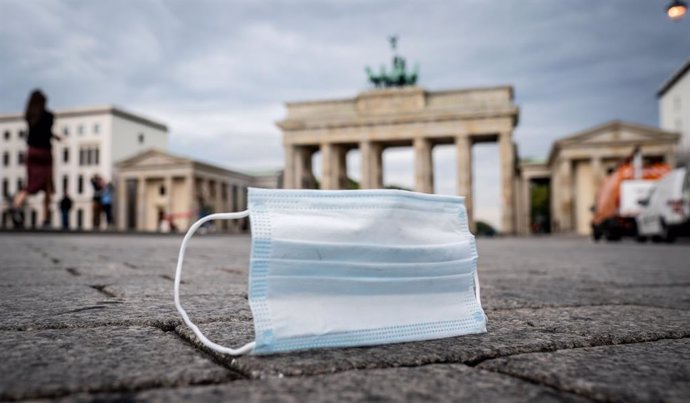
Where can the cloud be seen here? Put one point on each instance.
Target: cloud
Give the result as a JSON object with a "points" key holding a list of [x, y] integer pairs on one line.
{"points": [[218, 73]]}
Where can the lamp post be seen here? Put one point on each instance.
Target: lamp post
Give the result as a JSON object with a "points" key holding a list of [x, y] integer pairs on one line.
{"points": [[676, 10]]}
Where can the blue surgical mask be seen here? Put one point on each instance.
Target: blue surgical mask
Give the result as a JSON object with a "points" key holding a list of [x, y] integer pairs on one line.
{"points": [[354, 268]]}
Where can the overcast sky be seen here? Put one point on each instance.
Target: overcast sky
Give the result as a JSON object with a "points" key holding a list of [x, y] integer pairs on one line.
{"points": [[219, 72]]}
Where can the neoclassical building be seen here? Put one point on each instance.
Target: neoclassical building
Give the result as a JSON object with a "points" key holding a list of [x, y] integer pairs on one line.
{"points": [[94, 139], [406, 116], [576, 166], [156, 186]]}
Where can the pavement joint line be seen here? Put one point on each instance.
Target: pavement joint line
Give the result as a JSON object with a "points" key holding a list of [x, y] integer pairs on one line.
{"points": [[157, 323], [651, 285], [556, 387], [102, 289], [215, 358], [528, 307], [544, 385], [152, 385], [223, 358], [474, 363], [170, 278], [73, 271], [86, 308]]}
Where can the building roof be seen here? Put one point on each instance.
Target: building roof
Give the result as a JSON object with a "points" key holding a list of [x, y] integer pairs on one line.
{"points": [[95, 110], [164, 158], [671, 81], [644, 133]]}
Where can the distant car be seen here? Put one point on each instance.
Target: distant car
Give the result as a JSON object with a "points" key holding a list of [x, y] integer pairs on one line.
{"points": [[666, 212]]}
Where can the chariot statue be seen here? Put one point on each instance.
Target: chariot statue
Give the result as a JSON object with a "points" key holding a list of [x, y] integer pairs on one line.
{"points": [[398, 77]]}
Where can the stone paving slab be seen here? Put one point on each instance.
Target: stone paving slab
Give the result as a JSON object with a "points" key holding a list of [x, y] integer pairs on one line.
{"points": [[538, 292], [433, 383], [644, 372], [509, 332], [95, 294], [623, 264], [79, 306], [51, 363]]}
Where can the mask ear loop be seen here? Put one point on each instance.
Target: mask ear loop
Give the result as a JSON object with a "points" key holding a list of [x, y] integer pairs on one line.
{"points": [[178, 273], [476, 288]]}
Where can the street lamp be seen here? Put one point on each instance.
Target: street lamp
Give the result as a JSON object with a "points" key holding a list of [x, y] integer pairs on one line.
{"points": [[677, 9]]}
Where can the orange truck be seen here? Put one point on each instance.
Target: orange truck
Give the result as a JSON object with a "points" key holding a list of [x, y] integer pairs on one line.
{"points": [[617, 202]]}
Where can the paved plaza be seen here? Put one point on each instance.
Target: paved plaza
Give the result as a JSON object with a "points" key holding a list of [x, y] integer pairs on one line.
{"points": [[91, 317]]}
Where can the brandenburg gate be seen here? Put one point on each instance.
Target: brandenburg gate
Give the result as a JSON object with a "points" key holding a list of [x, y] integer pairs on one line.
{"points": [[406, 116]]}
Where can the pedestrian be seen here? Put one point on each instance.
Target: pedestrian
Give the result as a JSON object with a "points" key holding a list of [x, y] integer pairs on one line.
{"points": [[39, 158], [96, 205], [65, 207], [107, 203]]}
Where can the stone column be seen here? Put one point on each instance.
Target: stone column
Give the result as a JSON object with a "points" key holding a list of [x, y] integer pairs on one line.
{"points": [[304, 176], [463, 158], [289, 175], [341, 167], [334, 171], [507, 155], [218, 207], [372, 165], [190, 188], [526, 207], [168, 194], [329, 169], [141, 203], [121, 191], [565, 196], [597, 173], [423, 166]]}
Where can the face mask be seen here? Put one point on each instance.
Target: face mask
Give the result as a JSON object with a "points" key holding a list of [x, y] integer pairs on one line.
{"points": [[354, 268]]}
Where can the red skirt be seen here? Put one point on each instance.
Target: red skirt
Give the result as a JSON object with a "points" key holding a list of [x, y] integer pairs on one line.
{"points": [[39, 167]]}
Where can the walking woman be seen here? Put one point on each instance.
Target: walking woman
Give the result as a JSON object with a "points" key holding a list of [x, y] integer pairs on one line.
{"points": [[39, 158]]}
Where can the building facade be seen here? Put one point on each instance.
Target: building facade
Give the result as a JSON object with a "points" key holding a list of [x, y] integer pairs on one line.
{"points": [[402, 117], [674, 109], [578, 163], [93, 140], [158, 191]]}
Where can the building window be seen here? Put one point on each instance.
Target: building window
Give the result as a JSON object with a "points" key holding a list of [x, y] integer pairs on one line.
{"points": [[161, 190], [5, 187], [141, 138], [7, 134], [22, 134], [96, 128], [65, 184], [20, 158], [80, 218], [65, 131], [80, 129], [5, 159], [89, 155], [65, 155], [80, 184], [20, 184]]}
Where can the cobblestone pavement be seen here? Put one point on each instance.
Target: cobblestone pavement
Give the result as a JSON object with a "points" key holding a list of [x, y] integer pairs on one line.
{"points": [[92, 317]]}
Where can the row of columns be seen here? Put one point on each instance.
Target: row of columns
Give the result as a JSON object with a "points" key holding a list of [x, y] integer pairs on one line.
{"points": [[563, 214], [299, 175], [211, 190]]}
